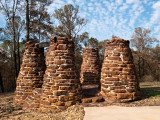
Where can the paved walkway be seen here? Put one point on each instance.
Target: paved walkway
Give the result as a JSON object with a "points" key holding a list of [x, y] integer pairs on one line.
{"points": [[122, 113]]}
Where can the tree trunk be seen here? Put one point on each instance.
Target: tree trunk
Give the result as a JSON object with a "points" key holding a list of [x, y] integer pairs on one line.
{"points": [[27, 20], [18, 54], [139, 66], [39, 36], [14, 48], [143, 66]]}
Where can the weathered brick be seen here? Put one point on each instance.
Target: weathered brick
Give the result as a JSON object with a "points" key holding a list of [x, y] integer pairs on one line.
{"points": [[64, 98], [69, 103], [31, 64], [112, 79], [54, 87], [114, 58], [60, 103], [86, 100], [61, 76], [119, 91], [90, 68], [30, 76], [118, 72], [59, 62], [124, 95], [53, 100], [105, 90]]}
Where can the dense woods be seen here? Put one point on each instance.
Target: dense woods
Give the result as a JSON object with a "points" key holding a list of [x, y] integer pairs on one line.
{"points": [[29, 20]]}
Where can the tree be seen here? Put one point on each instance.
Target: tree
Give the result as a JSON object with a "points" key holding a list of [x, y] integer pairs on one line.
{"points": [[70, 24], [92, 42], [41, 27], [156, 61], [19, 28], [152, 61], [38, 21], [10, 12], [141, 41], [114, 36], [6, 46], [84, 38], [27, 20], [101, 47]]}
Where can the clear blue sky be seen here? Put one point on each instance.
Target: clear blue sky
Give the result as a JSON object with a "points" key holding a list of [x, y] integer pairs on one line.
{"points": [[114, 17]]}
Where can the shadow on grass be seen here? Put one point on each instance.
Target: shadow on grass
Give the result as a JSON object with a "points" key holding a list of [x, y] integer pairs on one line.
{"points": [[150, 92]]}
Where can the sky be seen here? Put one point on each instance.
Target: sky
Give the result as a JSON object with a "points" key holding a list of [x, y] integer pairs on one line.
{"points": [[114, 17]]}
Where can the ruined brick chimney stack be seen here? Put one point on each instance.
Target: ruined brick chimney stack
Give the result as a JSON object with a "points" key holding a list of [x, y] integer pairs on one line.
{"points": [[118, 77], [31, 73], [61, 87], [90, 68]]}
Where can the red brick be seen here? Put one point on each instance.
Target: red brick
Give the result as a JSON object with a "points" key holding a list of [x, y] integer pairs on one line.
{"points": [[60, 103], [32, 64], [119, 91], [112, 79], [124, 95], [114, 58], [59, 62]]}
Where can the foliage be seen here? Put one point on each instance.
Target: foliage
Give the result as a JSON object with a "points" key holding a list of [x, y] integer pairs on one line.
{"points": [[41, 27], [101, 47], [114, 36], [70, 24], [84, 38], [92, 42]]}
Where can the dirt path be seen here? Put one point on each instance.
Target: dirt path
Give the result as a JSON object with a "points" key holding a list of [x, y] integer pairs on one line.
{"points": [[122, 113]]}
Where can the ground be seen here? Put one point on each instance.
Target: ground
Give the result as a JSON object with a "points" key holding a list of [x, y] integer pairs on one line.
{"points": [[150, 97], [122, 113]]}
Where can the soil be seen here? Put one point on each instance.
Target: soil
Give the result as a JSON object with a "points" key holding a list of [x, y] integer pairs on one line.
{"points": [[150, 97], [10, 112]]}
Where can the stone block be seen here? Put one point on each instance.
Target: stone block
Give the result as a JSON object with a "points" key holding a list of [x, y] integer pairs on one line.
{"points": [[124, 95], [86, 100], [90, 68], [114, 58], [118, 72], [61, 75], [69, 103], [60, 103]]}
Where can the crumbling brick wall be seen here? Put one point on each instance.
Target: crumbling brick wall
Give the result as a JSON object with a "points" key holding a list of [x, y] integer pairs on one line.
{"points": [[118, 77], [90, 68], [31, 74], [61, 87]]}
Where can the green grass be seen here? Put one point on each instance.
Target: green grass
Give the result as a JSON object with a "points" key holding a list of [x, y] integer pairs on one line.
{"points": [[150, 89]]}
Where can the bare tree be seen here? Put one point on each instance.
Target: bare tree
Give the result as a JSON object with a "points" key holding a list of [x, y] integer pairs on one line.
{"points": [[10, 12], [27, 20], [141, 41]]}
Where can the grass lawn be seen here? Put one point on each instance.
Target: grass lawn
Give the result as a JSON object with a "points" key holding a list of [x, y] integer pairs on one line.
{"points": [[150, 89]]}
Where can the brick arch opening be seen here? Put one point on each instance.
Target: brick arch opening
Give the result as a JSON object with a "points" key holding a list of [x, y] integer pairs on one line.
{"points": [[90, 72]]}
